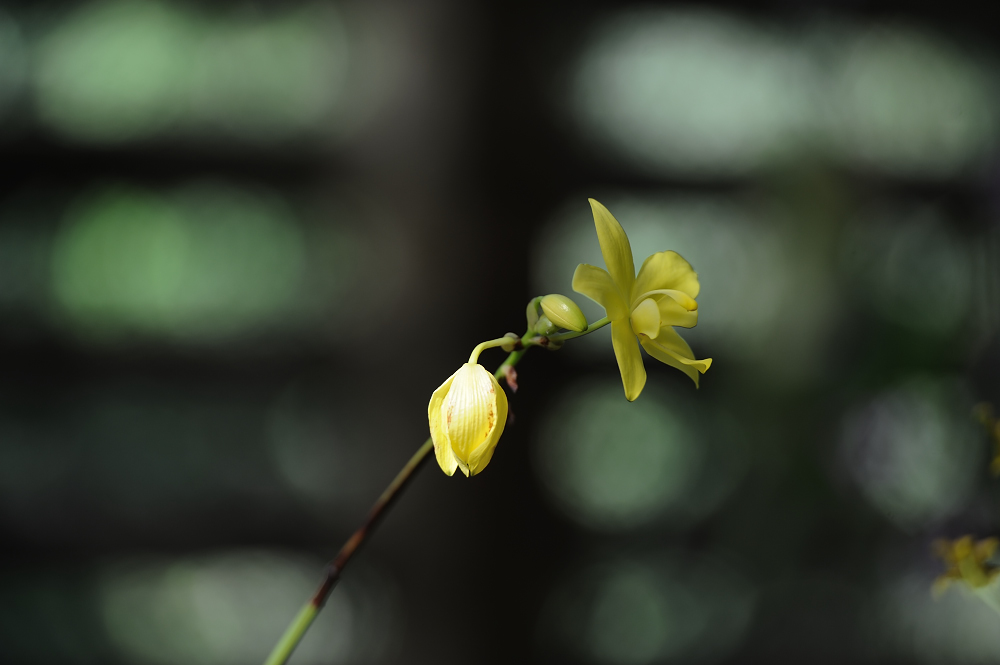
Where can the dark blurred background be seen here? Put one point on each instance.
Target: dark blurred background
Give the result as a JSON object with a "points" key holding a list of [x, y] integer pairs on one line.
{"points": [[242, 242]]}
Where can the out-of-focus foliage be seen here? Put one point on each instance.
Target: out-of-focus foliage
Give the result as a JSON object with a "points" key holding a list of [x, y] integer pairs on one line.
{"points": [[635, 611], [215, 609], [914, 451], [210, 261], [199, 263], [695, 91], [611, 465], [118, 70]]}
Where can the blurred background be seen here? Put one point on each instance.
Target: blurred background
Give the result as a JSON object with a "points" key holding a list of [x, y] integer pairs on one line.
{"points": [[242, 242]]}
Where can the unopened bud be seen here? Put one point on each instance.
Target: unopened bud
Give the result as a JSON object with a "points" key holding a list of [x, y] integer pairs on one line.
{"points": [[564, 313], [467, 414]]}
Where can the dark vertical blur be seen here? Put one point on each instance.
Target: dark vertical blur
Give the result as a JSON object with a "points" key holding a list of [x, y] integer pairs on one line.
{"points": [[242, 242]]}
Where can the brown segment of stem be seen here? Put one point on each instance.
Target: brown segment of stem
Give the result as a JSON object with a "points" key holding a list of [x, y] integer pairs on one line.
{"points": [[510, 374], [391, 493]]}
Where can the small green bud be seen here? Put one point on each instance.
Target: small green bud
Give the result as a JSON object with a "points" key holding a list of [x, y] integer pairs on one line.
{"points": [[532, 313], [545, 327], [510, 346], [564, 313]]}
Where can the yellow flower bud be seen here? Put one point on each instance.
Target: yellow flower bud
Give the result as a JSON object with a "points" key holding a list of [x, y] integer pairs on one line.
{"points": [[467, 414], [564, 312]]}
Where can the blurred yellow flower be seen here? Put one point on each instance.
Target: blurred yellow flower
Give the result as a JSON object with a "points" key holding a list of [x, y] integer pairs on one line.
{"points": [[467, 414], [643, 307], [966, 561]]}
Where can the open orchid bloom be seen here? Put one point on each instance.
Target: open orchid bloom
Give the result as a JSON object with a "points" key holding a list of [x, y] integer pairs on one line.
{"points": [[643, 309]]}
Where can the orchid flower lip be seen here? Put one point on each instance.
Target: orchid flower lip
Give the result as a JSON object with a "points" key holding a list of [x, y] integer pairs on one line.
{"points": [[681, 298], [645, 319]]}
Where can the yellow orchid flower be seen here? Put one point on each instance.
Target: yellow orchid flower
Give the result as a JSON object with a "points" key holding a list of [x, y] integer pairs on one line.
{"points": [[467, 414], [642, 308], [966, 561]]}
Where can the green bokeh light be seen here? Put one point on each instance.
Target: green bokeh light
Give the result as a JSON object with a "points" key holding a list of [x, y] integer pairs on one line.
{"points": [[691, 91], [631, 620], [270, 80], [209, 261], [319, 455], [230, 608], [915, 451], [913, 626], [910, 102], [117, 70], [611, 464], [910, 267], [706, 93], [633, 612]]}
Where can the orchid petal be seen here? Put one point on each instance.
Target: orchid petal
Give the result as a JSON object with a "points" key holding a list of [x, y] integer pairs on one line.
{"points": [[672, 314], [629, 358], [615, 248], [682, 299], [439, 434], [665, 270], [669, 348], [481, 456], [469, 413], [597, 284]]}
